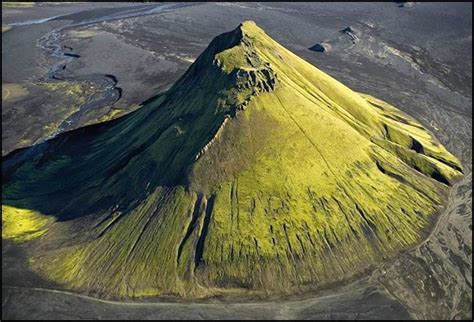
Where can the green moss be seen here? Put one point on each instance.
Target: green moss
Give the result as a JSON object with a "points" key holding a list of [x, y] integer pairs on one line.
{"points": [[24, 142], [113, 113], [255, 170], [17, 4], [6, 28], [22, 225]]}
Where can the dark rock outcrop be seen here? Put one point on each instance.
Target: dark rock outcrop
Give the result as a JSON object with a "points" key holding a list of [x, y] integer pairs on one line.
{"points": [[318, 48]]}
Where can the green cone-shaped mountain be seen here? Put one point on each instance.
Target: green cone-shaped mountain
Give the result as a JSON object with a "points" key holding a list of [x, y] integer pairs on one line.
{"points": [[255, 170]]}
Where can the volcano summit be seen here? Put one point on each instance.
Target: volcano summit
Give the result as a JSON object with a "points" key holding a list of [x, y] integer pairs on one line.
{"points": [[254, 171]]}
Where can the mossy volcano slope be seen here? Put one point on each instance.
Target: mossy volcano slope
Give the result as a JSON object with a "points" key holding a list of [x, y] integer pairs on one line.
{"points": [[255, 170]]}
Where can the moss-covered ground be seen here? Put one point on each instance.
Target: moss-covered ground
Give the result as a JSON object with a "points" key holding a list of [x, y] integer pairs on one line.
{"points": [[22, 225], [6, 28], [255, 170]]}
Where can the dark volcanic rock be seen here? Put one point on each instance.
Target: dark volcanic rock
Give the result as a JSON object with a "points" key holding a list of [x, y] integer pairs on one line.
{"points": [[347, 30], [318, 47], [351, 33]]}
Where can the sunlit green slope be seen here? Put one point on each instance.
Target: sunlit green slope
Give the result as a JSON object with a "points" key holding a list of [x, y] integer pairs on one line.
{"points": [[255, 170]]}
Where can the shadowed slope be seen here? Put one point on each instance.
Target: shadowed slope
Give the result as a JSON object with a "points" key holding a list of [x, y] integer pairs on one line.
{"points": [[254, 170]]}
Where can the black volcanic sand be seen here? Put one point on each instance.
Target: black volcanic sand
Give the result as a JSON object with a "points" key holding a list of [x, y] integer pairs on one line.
{"points": [[416, 57], [366, 303], [107, 56]]}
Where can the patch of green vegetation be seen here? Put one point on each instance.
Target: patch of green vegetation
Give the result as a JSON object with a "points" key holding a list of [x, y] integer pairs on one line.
{"points": [[112, 114], [17, 4], [13, 92], [22, 225], [254, 171], [24, 142], [72, 96], [79, 91]]}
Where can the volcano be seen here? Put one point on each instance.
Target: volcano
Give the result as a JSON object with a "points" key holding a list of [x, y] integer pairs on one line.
{"points": [[254, 171]]}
